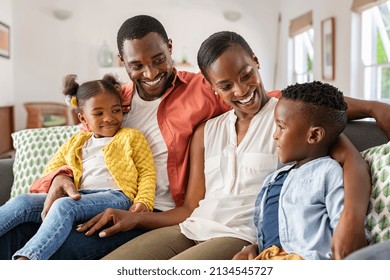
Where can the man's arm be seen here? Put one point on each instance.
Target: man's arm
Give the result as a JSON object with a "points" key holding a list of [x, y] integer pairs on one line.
{"points": [[358, 109]]}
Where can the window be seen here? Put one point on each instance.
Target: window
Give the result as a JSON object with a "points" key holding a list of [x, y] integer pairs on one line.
{"points": [[303, 57], [301, 48], [376, 52]]}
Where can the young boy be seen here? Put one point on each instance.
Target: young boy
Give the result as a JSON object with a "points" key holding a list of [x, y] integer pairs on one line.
{"points": [[300, 204]]}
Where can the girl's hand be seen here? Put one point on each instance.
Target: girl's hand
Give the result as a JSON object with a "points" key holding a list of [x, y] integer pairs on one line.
{"points": [[138, 207]]}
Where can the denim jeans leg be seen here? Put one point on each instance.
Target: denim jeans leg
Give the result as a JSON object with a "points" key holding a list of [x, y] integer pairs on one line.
{"points": [[21, 209], [62, 216]]}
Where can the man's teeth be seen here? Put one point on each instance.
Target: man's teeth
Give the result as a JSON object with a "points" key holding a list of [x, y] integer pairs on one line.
{"points": [[152, 83], [246, 100]]}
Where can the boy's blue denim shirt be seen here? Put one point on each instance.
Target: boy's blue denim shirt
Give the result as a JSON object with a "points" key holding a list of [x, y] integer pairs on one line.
{"points": [[310, 206]]}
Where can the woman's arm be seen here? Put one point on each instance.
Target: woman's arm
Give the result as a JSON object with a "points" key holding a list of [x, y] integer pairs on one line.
{"points": [[350, 233], [358, 109], [125, 220]]}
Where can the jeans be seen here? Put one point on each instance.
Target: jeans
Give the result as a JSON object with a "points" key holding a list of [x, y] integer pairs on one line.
{"points": [[46, 238]]}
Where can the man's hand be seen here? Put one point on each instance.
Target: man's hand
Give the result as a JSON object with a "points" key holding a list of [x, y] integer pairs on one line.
{"points": [[61, 185], [347, 238], [122, 220], [247, 253], [381, 114]]}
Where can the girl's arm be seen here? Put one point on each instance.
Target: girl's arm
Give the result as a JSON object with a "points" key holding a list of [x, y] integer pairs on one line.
{"points": [[125, 220], [350, 233]]}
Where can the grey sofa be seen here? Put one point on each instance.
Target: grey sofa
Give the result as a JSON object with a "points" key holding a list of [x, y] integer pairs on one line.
{"points": [[363, 134]]}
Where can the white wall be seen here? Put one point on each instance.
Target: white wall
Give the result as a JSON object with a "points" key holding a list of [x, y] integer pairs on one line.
{"points": [[322, 9], [45, 49], [6, 65]]}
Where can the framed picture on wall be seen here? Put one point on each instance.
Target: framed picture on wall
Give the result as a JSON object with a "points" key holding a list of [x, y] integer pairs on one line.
{"points": [[4, 40], [328, 48]]}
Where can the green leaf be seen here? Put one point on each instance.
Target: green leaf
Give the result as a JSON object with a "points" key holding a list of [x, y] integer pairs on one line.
{"points": [[384, 175], [383, 223], [379, 206], [375, 192], [371, 222]]}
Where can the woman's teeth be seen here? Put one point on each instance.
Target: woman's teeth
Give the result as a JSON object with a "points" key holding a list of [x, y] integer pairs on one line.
{"points": [[246, 100]]}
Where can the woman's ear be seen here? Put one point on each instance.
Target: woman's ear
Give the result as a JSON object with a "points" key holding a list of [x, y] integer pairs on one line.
{"points": [[257, 61], [316, 134]]}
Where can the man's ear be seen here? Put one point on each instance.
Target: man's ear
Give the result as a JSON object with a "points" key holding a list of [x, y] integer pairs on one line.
{"points": [[170, 46], [316, 134], [120, 57]]}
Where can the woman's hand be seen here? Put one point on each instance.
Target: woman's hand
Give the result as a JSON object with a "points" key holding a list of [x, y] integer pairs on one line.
{"points": [[348, 236], [61, 185], [247, 253], [121, 220]]}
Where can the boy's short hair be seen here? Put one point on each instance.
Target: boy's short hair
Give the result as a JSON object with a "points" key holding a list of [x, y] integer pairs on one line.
{"points": [[322, 105]]}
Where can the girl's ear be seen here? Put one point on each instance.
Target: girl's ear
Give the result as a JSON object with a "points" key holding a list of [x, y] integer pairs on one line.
{"points": [[316, 134], [82, 118]]}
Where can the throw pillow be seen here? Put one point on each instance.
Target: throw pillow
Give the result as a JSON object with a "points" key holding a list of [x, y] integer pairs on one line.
{"points": [[378, 219], [34, 147]]}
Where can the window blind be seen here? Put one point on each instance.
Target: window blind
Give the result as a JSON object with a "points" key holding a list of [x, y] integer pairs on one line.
{"points": [[359, 6], [301, 24]]}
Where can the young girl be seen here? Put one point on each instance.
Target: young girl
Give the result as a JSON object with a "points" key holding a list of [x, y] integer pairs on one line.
{"points": [[112, 168]]}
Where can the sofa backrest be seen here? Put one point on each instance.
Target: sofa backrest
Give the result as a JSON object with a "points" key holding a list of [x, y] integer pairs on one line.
{"points": [[365, 134]]}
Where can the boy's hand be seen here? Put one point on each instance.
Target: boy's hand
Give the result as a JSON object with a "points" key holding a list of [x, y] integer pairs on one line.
{"points": [[138, 207]]}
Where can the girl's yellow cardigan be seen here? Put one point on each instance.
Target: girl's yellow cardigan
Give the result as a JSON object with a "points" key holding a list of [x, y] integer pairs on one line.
{"points": [[128, 158]]}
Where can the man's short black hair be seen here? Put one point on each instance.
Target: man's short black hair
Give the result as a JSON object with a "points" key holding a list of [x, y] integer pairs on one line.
{"points": [[138, 27]]}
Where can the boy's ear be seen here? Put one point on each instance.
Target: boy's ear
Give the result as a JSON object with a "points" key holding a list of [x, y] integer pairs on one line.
{"points": [[316, 134]]}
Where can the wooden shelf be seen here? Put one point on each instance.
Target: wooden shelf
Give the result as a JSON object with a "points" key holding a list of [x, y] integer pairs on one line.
{"points": [[6, 129]]}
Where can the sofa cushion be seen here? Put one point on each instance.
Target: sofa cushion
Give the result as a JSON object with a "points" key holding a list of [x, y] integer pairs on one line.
{"points": [[378, 219], [34, 148]]}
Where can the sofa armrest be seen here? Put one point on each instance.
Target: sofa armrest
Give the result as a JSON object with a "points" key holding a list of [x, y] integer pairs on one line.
{"points": [[6, 179]]}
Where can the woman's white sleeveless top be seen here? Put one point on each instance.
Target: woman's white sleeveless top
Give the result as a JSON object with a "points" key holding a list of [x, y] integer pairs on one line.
{"points": [[234, 176]]}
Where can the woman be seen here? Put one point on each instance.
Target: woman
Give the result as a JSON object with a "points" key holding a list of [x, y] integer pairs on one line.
{"points": [[230, 156]]}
